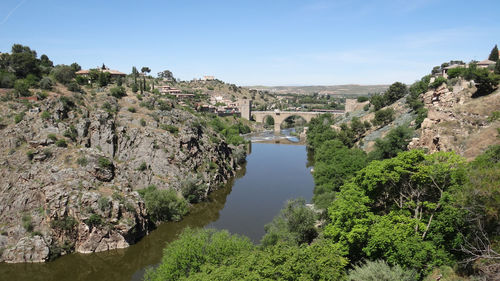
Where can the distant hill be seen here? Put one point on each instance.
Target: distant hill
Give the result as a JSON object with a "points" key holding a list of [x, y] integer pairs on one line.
{"points": [[343, 90]]}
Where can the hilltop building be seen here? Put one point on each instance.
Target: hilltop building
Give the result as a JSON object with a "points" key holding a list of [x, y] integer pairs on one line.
{"points": [[103, 68], [485, 63], [208, 78]]}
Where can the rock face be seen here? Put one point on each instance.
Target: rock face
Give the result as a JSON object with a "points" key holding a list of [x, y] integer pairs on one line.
{"points": [[56, 199], [457, 122]]}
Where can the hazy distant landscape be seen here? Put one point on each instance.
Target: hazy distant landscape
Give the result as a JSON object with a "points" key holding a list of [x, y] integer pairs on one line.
{"points": [[350, 89]]}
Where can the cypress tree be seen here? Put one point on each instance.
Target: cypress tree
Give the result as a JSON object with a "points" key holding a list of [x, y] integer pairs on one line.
{"points": [[494, 54]]}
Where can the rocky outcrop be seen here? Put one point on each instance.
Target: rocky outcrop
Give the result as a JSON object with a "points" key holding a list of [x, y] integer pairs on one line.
{"points": [[83, 198], [458, 122]]}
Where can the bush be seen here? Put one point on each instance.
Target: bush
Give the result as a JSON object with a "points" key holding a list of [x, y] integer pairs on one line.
{"points": [[105, 163], [456, 72], [27, 222], [61, 143], [394, 142], [82, 161], [294, 224], [438, 82], [30, 154], [170, 128], [380, 271], [363, 99], [73, 87], [163, 205], [46, 83], [22, 88], [193, 190], [19, 117], [142, 167], [45, 115], [71, 133], [94, 220], [103, 203], [143, 122], [118, 92], [52, 137], [383, 117], [66, 223], [135, 88], [63, 73], [7, 79], [132, 109]]}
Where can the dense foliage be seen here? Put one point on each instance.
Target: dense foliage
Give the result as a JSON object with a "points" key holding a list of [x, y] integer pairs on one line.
{"points": [[163, 205], [217, 255]]}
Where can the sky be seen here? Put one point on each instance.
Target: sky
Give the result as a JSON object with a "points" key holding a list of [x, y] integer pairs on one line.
{"points": [[259, 42]]}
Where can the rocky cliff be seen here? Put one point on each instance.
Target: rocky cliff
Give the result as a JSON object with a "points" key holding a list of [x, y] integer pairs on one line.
{"points": [[457, 122], [71, 164]]}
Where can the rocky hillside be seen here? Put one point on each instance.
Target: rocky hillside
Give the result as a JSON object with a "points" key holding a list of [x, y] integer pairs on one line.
{"points": [[71, 165], [458, 122]]}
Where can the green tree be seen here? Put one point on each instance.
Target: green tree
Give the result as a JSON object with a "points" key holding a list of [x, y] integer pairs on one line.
{"points": [[22, 88], [395, 141], [294, 224], [401, 210], [334, 164], [494, 54], [135, 74], [23, 61], [164, 205], [63, 73], [396, 91], [195, 248]]}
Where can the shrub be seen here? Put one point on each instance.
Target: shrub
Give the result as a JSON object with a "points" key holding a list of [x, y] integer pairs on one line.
{"points": [[71, 133], [143, 122], [19, 117], [42, 95], [363, 99], [135, 88], [193, 190], [294, 224], [383, 117], [170, 128], [73, 87], [82, 161], [52, 137], [142, 167], [7, 79], [63, 73], [132, 109], [118, 92], [438, 82], [30, 154], [61, 143], [394, 142], [27, 222], [103, 203], [94, 220], [164, 205], [46, 83], [22, 88], [380, 270], [45, 115], [456, 72], [105, 163], [65, 224]]}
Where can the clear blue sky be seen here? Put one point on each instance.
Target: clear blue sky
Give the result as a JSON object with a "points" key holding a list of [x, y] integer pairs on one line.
{"points": [[266, 42]]}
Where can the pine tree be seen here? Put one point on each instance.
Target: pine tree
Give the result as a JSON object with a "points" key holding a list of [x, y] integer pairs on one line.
{"points": [[494, 54]]}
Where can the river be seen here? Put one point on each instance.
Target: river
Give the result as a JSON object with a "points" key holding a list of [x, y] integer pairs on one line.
{"points": [[273, 174]]}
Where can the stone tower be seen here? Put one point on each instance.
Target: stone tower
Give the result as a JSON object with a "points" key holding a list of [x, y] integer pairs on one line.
{"points": [[246, 108]]}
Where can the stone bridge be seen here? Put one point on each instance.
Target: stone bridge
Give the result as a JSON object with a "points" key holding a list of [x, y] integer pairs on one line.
{"points": [[280, 116]]}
